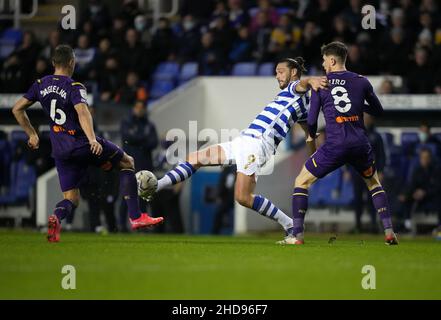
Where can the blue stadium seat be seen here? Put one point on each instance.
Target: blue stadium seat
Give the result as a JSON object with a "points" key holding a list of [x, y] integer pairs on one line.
{"points": [[12, 35], [325, 191], [17, 136], [24, 180], [166, 71], [330, 188], [314, 198], [161, 88], [189, 70], [283, 10], [388, 138], [266, 69], [244, 69], [409, 140], [346, 196], [6, 48]]}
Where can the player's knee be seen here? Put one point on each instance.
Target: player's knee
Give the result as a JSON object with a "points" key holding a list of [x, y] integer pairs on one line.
{"points": [[127, 162], [192, 159]]}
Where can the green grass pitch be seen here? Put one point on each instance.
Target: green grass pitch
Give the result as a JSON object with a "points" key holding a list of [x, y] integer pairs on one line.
{"points": [[147, 266]]}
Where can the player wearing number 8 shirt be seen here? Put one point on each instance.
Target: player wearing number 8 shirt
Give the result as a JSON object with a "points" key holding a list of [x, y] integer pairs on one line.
{"points": [[74, 144], [343, 104]]}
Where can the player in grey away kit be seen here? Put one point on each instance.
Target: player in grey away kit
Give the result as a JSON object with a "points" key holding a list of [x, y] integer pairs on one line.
{"points": [[343, 104], [74, 144]]}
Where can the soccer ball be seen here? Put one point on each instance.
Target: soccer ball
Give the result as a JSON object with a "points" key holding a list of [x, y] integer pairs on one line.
{"points": [[147, 183]]}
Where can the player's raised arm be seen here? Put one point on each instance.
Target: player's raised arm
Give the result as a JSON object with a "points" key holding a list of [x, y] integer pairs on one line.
{"points": [[313, 114], [374, 106], [19, 111], [310, 142], [86, 123], [314, 83]]}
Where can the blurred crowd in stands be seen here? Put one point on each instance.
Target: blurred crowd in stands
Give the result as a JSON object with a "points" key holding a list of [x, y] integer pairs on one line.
{"points": [[123, 59], [118, 54]]}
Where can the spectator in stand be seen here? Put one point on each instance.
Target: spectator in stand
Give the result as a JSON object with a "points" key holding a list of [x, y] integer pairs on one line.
{"points": [[118, 33], [242, 49], [353, 14], [420, 78], [52, 42], [12, 76], [423, 190], [27, 54], [210, 59], [98, 14], [189, 40], [271, 15], [310, 45], [341, 30], [386, 87], [322, 13], [135, 55], [262, 37], [130, 10], [42, 69], [85, 58], [355, 62], [237, 15], [110, 79], [200, 9], [91, 34], [132, 91], [220, 10], [163, 41], [139, 136], [285, 38], [222, 34], [140, 25], [426, 137], [396, 52], [104, 52]]}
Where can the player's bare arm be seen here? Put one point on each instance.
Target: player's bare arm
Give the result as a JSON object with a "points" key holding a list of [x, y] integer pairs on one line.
{"points": [[86, 123], [310, 141], [314, 83], [19, 111]]}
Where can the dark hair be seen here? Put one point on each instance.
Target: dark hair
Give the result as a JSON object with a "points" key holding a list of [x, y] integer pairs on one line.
{"points": [[336, 49], [63, 54], [296, 63]]}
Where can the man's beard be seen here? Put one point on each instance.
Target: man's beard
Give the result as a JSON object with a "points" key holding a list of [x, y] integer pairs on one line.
{"points": [[284, 84]]}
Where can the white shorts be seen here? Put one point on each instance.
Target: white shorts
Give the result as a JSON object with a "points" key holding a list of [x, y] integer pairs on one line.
{"points": [[248, 153]]}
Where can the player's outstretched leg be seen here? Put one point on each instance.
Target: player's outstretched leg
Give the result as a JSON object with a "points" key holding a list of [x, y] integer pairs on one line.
{"points": [[129, 192], [299, 206], [243, 194], [211, 156], [63, 209], [381, 204]]}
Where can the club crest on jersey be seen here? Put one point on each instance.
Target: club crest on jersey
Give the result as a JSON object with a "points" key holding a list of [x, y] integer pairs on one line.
{"points": [[251, 160]]}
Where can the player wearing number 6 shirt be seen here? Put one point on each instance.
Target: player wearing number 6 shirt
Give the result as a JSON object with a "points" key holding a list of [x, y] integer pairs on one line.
{"points": [[343, 104], [74, 144]]}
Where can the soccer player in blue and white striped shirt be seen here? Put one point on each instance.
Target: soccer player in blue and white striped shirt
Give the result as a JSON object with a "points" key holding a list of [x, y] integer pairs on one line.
{"points": [[257, 143]]}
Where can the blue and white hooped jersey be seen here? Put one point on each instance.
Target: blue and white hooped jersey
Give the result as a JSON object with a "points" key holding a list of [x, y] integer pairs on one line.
{"points": [[280, 115]]}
